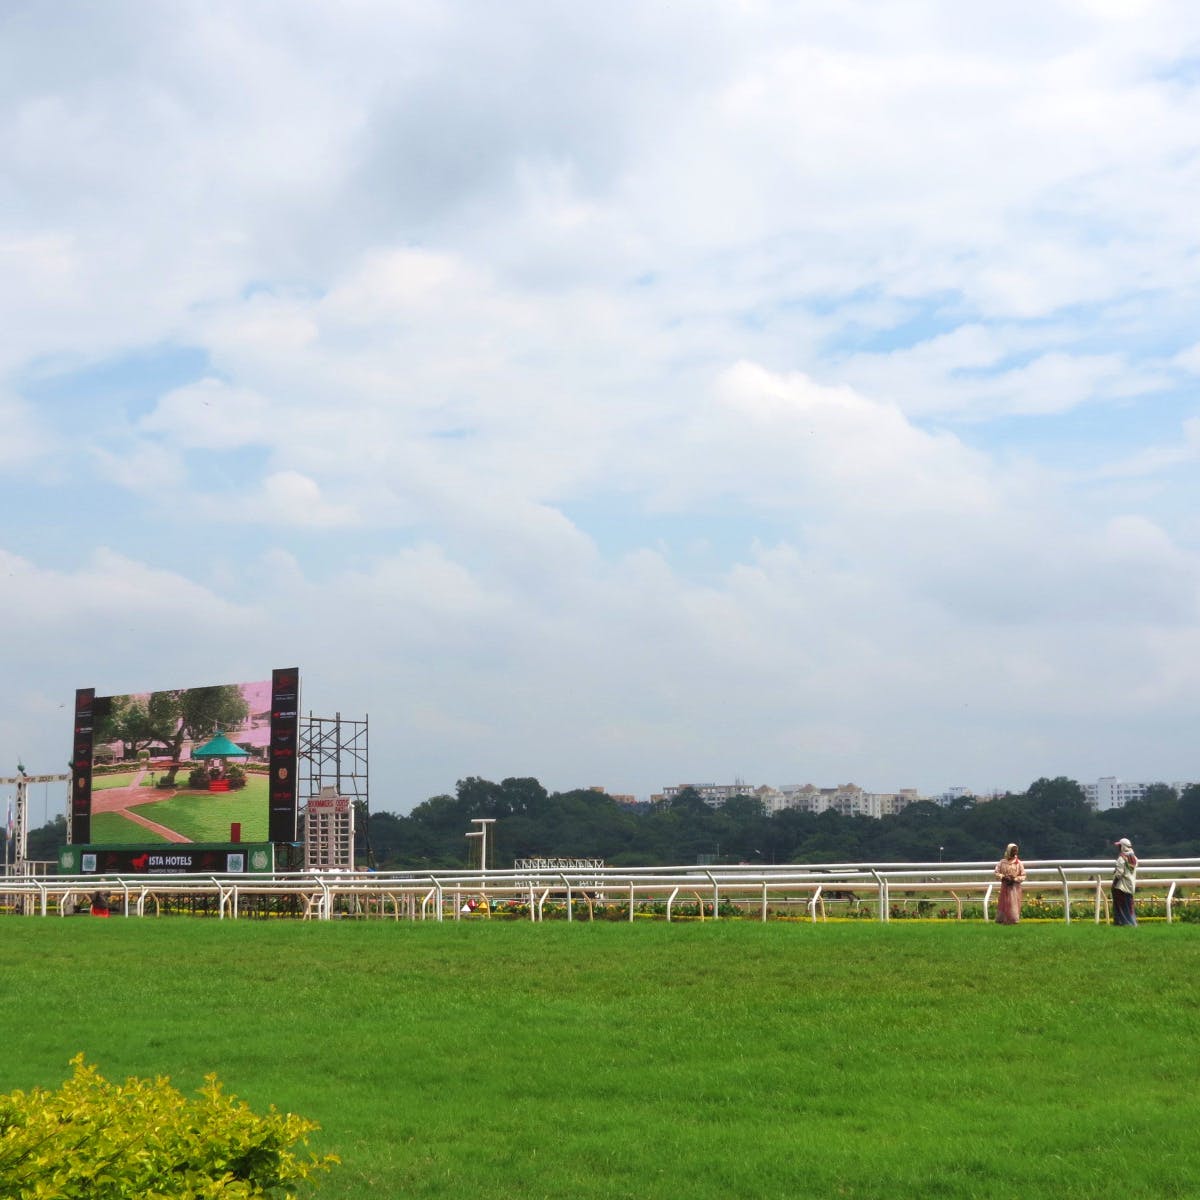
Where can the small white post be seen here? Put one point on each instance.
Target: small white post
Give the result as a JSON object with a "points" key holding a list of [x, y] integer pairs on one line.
{"points": [[883, 896], [1066, 896]]}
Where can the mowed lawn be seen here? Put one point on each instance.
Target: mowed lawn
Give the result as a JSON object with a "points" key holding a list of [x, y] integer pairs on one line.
{"points": [[722, 1059], [206, 816], [104, 783], [199, 816], [112, 828]]}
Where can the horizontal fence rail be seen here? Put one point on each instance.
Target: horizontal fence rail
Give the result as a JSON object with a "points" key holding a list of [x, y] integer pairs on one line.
{"points": [[878, 891]]}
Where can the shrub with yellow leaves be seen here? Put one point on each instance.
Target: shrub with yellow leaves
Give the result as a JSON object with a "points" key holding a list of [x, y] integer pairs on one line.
{"points": [[144, 1140]]}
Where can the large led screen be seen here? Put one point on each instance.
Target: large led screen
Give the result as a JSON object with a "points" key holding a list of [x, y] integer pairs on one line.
{"points": [[202, 764]]}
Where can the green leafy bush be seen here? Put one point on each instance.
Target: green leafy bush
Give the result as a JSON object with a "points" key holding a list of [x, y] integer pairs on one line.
{"points": [[198, 778], [236, 776], [144, 1140]]}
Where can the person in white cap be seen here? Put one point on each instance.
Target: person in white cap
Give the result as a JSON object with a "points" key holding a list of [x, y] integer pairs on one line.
{"points": [[1124, 884]]}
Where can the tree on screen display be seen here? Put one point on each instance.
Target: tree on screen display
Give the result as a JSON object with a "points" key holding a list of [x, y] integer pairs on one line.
{"points": [[171, 719]]}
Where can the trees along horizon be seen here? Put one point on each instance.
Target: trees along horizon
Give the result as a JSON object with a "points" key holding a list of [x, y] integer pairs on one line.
{"points": [[1051, 819]]}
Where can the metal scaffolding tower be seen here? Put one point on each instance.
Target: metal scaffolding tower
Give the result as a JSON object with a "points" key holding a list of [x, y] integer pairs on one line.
{"points": [[333, 754]]}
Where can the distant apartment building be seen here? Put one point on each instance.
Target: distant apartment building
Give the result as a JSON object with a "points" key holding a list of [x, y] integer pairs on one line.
{"points": [[772, 799], [946, 798], [620, 797], [713, 794], [891, 803], [847, 799], [1110, 792], [850, 800]]}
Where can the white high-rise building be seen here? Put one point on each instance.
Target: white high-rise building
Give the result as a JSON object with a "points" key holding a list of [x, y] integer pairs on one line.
{"points": [[1109, 792], [951, 794]]}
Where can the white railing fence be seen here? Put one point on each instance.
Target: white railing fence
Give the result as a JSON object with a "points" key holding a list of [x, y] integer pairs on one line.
{"points": [[878, 891]]}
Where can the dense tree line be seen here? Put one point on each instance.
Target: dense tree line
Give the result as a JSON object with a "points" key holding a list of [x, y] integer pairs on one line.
{"points": [[1049, 820]]}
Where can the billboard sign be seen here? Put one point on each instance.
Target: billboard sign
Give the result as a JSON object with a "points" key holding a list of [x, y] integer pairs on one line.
{"points": [[81, 766], [186, 859], [186, 765], [282, 753]]}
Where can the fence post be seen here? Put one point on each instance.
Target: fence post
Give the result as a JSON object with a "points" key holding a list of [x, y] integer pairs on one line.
{"points": [[441, 903], [884, 899], [1066, 896]]}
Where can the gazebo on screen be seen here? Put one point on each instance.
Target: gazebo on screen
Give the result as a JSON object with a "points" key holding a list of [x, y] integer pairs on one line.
{"points": [[217, 753]]}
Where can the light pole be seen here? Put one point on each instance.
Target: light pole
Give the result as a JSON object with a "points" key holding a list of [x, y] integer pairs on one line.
{"points": [[481, 833]]}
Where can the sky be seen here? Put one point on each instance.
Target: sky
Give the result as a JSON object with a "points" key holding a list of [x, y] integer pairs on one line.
{"points": [[620, 395]]}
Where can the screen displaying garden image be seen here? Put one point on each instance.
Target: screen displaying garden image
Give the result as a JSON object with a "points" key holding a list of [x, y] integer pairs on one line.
{"points": [[184, 765]]}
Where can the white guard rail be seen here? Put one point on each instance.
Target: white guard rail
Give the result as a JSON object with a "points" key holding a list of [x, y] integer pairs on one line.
{"points": [[879, 890]]}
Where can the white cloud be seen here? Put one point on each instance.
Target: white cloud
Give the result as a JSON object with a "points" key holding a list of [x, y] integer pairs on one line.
{"points": [[790, 442], [634, 394], [23, 443], [1189, 359], [143, 466], [112, 609], [287, 498], [211, 415]]}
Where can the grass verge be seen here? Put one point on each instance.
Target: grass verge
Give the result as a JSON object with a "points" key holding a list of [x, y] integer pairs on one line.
{"points": [[114, 828], [105, 783], [705, 1060], [206, 816]]}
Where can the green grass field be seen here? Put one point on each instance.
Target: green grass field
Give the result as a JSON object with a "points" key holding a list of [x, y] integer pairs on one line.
{"points": [[722, 1059], [112, 828], [206, 816], [104, 783]]}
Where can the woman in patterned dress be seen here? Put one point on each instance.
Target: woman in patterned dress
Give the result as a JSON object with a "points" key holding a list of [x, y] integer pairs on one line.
{"points": [[1011, 873]]}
